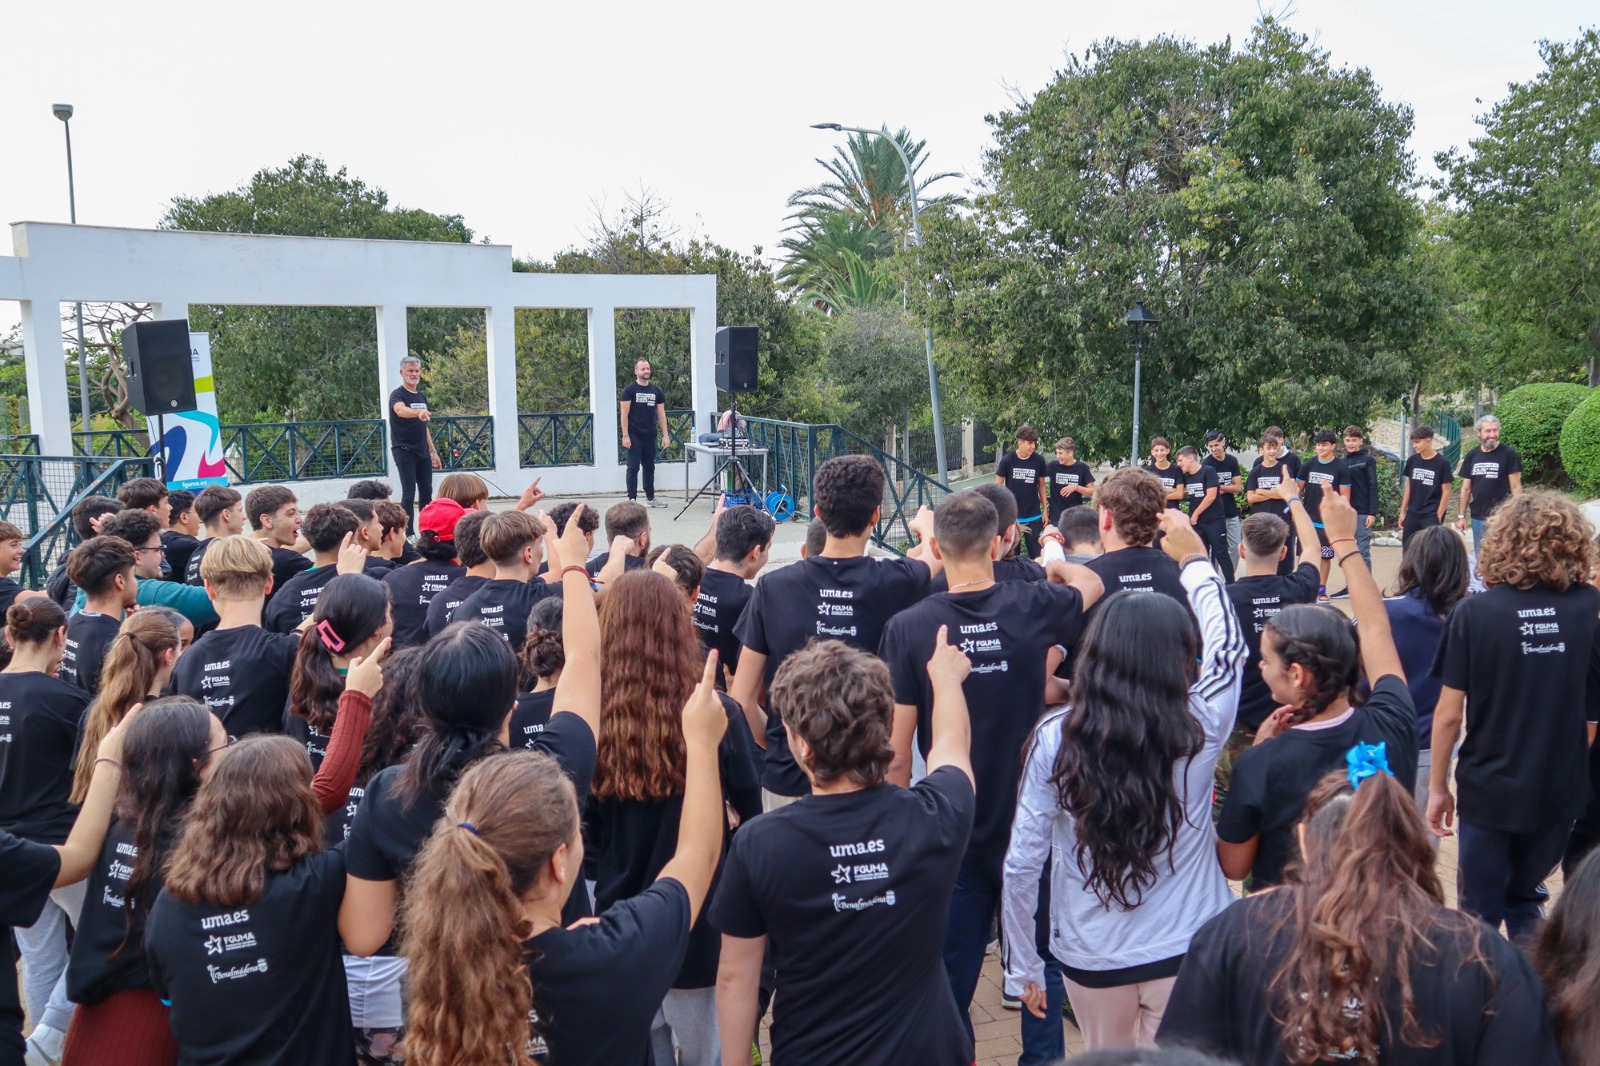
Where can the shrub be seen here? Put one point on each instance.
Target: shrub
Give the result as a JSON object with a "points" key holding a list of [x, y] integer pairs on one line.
{"points": [[1531, 418], [1580, 445], [1388, 492]]}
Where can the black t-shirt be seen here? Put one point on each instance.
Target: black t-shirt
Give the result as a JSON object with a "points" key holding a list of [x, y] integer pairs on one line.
{"points": [[1227, 470], [630, 563], [262, 982], [89, 637], [9, 589], [176, 548], [1195, 487], [1059, 477], [529, 717], [286, 563], [1529, 662], [39, 721], [27, 873], [1016, 568], [1022, 479], [1256, 600], [452, 596], [632, 841], [408, 433], [821, 599], [1171, 478], [1490, 474], [1272, 780], [335, 825], [1482, 1015], [848, 886], [596, 988], [1006, 630], [1139, 570], [191, 569], [722, 600], [642, 415], [411, 591], [1428, 478], [1362, 469], [1267, 479], [1320, 478], [241, 674], [92, 973], [294, 602], [1292, 461], [503, 604]]}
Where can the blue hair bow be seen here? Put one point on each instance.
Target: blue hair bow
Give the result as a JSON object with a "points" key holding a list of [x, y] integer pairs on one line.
{"points": [[1366, 760]]}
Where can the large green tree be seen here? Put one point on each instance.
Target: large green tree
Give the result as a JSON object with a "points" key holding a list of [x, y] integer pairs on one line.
{"points": [[1258, 199], [1529, 190], [308, 362]]}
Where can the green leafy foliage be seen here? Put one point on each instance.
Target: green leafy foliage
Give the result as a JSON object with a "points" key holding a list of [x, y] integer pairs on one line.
{"points": [[1580, 445], [1531, 418], [1258, 200]]}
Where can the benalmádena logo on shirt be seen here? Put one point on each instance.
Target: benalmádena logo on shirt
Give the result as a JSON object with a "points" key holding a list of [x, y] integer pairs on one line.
{"points": [[244, 970]]}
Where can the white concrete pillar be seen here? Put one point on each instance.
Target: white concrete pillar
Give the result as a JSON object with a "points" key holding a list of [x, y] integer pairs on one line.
{"points": [[500, 331], [603, 395], [169, 308], [392, 347], [45, 357], [702, 366]]}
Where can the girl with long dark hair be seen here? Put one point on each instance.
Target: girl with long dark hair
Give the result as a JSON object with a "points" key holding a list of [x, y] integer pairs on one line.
{"points": [[138, 666], [1117, 786], [650, 664], [166, 751], [1312, 661], [491, 885], [542, 657], [1356, 958], [1568, 958]]}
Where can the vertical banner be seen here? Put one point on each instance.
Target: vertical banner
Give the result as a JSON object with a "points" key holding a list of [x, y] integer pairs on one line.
{"points": [[191, 441]]}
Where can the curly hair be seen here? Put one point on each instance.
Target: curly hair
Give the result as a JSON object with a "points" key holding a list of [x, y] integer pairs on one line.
{"points": [[397, 721], [846, 492], [1136, 501], [255, 815], [648, 667], [464, 901], [1320, 639], [1538, 538], [838, 699]]}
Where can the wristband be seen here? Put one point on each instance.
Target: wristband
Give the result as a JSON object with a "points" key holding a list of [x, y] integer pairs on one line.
{"points": [[108, 759], [1340, 561], [1292, 499], [1342, 540], [565, 570]]}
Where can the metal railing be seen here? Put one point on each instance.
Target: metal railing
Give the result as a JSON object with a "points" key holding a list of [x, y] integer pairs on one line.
{"points": [[556, 438], [680, 427], [464, 442], [114, 443], [19, 444], [304, 451], [38, 493]]}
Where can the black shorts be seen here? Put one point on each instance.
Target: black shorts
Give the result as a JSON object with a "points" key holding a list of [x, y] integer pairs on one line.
{"points": [[1322, 539]]}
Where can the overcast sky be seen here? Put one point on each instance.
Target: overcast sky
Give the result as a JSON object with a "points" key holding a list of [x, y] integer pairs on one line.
{"points": [[523, 117]]}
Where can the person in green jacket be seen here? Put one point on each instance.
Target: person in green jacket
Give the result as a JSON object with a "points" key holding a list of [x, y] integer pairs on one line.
{"points": [[142, 529]]}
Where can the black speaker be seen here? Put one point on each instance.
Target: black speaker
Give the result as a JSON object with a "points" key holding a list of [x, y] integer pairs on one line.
{"points": [[736, 358], [160, 367]]}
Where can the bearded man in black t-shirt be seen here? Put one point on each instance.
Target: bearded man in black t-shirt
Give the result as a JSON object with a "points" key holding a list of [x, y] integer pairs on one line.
{"points": [[643, 410], [409, 440]]}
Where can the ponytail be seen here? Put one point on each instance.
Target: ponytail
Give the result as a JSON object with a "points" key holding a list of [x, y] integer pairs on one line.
{"points": [[132, 663], [503, 823]]}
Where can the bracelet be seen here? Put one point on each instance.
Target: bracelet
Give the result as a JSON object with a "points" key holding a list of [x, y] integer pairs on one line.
{"points": [[105, 758], [1342, 540], [1292, 499], [1340, 561], [1186, 560], [565, 570]]}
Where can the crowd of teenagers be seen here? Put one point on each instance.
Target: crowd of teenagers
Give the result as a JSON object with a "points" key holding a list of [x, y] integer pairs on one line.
{"points": [[317, 793]]}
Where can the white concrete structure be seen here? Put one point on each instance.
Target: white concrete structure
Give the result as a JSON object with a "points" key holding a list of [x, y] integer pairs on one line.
{"points": [[55, 264]]}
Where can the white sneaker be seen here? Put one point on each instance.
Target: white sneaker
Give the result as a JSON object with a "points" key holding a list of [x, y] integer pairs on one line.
{"points": [[656, 503], [44, 1046]]}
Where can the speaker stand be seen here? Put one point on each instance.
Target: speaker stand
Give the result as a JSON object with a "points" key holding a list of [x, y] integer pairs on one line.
{"points": [[739, 477], [161, 447]]}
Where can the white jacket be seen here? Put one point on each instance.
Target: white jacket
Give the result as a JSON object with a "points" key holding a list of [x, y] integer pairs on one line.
{"points": [[1085, 934]]}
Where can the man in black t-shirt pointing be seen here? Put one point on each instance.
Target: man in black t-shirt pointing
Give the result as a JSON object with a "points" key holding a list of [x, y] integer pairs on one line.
{"points": [[409, 440], [644, 408]]}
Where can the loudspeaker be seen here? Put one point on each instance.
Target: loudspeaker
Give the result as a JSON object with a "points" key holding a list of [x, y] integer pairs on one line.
{"points": [[736, 358], [160, 367]]}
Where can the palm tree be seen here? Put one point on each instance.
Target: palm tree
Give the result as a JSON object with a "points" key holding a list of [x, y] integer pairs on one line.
{"points": [[869, 181], [863, 285], [815, 255]]}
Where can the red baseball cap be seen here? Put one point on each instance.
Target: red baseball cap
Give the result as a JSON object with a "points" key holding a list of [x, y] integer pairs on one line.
{"points": [[440, 518]]}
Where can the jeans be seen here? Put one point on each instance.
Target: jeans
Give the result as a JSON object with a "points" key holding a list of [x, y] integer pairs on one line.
{"points": [[1364, 539], [642, 456], [1501, 875], [1479, 528], [1044, 1039], [416, 481], [1233, 536], [1215, 536]]}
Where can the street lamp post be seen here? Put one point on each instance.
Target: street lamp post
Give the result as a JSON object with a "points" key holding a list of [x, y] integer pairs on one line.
{"points": [[927, 329], [1140, 320], [64, 113]]}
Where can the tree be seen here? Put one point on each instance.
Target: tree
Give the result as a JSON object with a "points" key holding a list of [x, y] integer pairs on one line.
{"points": [[875, 357], [1259, 200], [308, 362], [1530, 192]]}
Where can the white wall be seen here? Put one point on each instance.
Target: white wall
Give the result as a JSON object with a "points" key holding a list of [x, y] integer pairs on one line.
{"points": [[55, 264]]}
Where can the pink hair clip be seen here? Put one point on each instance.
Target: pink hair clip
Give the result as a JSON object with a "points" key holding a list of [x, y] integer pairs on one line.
{"points": [[329, 637]]}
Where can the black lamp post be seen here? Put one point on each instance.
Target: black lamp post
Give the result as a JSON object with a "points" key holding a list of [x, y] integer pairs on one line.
{"points": [[1140, 321]]}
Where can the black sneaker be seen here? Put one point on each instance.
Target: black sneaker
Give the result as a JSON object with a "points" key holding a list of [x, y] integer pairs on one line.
{"points": [[1010, 1002]]}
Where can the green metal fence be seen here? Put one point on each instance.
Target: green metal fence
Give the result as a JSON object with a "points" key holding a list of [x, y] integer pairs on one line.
{"points": [[19, 444], [38, 493], [304, 451], [464, 442], [114, 443], [556, 438], [680, 427]]}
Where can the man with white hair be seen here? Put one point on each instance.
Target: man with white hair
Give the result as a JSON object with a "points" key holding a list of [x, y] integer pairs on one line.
{"points": [[409, 440], [1489, 473]]}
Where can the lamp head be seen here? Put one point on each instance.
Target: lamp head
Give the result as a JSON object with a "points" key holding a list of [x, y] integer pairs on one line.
{"points": [[61, 111], [1140, 317], [814, 125]]}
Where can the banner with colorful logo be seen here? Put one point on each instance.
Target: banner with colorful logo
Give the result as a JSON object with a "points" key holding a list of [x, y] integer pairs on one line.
{"points": [[191, 441]]}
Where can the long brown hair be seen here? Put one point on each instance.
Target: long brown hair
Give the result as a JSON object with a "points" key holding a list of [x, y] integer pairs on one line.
{"points": [[506, 818], [649, 666], [1366, 908], [255, 815], [131, 666], [1568, 959]]}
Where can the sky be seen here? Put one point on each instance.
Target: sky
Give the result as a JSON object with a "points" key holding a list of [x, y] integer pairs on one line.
{"points": [[527, 119]]}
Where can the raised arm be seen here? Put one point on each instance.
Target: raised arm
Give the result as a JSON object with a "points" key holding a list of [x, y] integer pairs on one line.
{"points": [[578, 689], [951, 726], [706, 546], [1304, 530], [694, 863], [1378, 655], [1222, 646]]}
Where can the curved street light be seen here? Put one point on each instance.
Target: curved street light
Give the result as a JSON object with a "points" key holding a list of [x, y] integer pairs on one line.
{"points": [[64, 113], [1141, 321]]}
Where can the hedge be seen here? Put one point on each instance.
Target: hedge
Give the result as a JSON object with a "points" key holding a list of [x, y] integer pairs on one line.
{"points": [[1580, 445], [1531, 418]]}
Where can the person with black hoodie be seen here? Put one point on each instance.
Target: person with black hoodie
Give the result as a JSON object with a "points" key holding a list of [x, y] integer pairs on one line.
{"points": [[87, 517], [480, 568], [1361, 467]]}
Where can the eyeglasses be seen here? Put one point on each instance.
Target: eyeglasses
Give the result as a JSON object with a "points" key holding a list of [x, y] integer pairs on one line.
{"points": [[140, 551], [224, 746]]}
